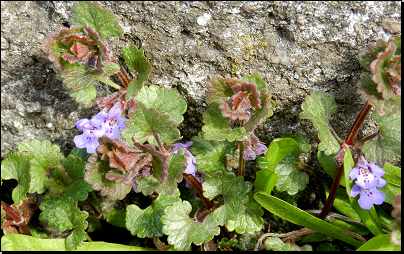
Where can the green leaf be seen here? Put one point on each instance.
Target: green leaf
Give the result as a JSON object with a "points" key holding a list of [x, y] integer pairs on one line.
{"points": [[267, 177], [343, 205], [117, 218], [144, 122], [164, 101], [76, 170], [135, 59], [387, 145], [318, 107], [220, 88], [302, 218], [81, 76], [17, 242], [250, 221], [146, 222], [290, 178], [379, 243], [95, 175], [17, 166], [84, 95], [369, 217], [46, 156], [342, 224], [182, 230], [234, 191], [64, 214], [209, 153], [97, 17], [393, 186], [216, 126]]}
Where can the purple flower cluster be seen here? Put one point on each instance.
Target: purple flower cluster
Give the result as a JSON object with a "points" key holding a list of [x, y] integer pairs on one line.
{"points": [[368, 177], [104, 123], [249, 152]]}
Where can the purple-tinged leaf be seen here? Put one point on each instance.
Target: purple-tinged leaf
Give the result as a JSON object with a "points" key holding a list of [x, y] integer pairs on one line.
{"points": [[220, 88]]}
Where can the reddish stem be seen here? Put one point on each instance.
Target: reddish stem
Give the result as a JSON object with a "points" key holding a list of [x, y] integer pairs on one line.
{"points": [[339, 158], [18, 220], [198, 187]]}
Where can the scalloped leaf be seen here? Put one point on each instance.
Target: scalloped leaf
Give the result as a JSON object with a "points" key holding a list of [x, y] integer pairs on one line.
{"points": [[81, 76], [367, 56], [387, 145], [220, 88], [234, 191], [182, 230], [144, 122], [262, 113], [379, 66], [250, 221], [75, 168], [149, 184], [146, 222], [17, 166], [209, 153], [46, 156], [95, 16], [276, 244], [164, 101], [368, 91], [135, 60], [96, 176], [64, 214], [318, 107], [290, 178], [216, 126], [266, 178]]}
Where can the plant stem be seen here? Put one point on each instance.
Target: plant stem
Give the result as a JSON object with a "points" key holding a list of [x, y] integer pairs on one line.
{"points": [[339, 158], [110, 83], [241, 160], [17, 218], [198, 187], [97, 214], [358, 122], [122, 75]]}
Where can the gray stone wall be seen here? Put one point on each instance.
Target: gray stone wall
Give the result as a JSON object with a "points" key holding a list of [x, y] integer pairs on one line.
{"points": [[297, 47]]}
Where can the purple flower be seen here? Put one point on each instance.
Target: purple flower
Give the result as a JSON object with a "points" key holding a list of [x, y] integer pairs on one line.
{"points": [[101, 124], [89, 139], [191, 162], [368, 177], [249, 154]]}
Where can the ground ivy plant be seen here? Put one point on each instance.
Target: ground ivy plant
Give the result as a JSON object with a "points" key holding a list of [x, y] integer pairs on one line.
{"points": [[134, 145]]}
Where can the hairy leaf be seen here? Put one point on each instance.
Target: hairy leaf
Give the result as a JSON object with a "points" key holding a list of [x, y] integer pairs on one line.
{"points": [[17, 166], [164, 101], [209, 153], [135, 59], [368, 91], [220, 88], [144, 122], [234, 191], [46, 156], [216, 126], [149, 184], [84, 95], [96, 176], [146, 222], [95, 16], [367, 56], [250, 221], [290, 178], [182, 230], [262, 113], [318, 107], [255, 78], [387, 145]]}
